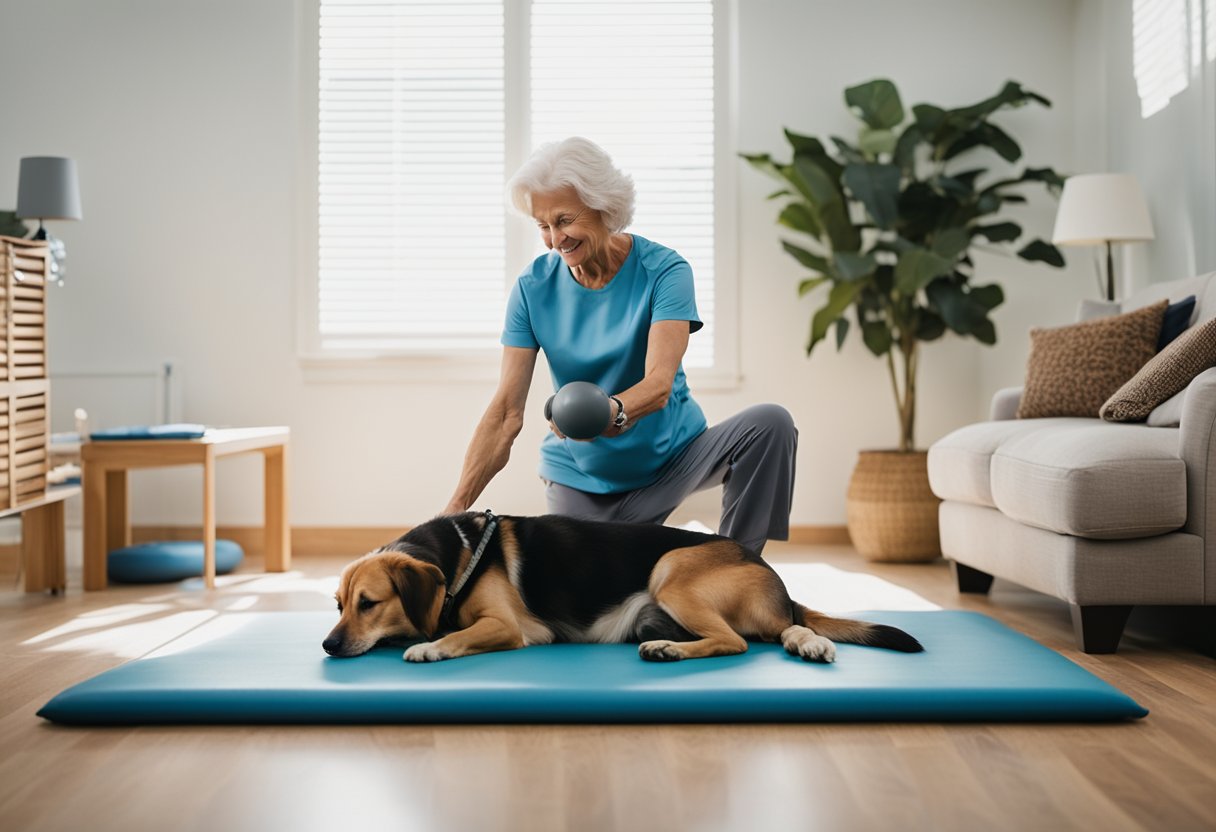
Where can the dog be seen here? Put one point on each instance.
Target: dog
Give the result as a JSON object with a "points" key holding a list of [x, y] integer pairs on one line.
{"points": [[475, 582]]}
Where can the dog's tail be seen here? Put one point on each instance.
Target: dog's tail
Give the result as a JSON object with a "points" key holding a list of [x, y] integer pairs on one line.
{"points": [[848, 631]]}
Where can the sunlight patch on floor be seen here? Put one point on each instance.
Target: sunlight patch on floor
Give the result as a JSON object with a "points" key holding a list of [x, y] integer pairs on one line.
{"points": [[828, 589], [130, 641], [97, 619]]}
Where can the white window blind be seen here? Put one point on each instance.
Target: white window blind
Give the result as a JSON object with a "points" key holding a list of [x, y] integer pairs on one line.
{"points": [[413, 161], [412, 219], [1160, 44], [637, 78]]}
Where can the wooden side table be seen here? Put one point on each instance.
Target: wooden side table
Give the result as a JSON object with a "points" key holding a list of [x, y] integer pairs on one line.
{"points": [[104, 466], [42, 538]]}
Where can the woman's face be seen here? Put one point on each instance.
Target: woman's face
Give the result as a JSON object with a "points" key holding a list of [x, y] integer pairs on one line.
{"points": [[568, 226]]}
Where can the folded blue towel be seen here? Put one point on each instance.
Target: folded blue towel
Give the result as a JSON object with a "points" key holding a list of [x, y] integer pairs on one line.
{"points": [[177, 431]]}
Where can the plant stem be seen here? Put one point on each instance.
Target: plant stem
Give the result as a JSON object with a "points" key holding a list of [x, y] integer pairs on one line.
{"points": [[899, 405], [908, 422]]}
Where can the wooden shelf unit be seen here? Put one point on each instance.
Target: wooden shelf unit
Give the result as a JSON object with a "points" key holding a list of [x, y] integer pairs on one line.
{"points": [[25, 429]]}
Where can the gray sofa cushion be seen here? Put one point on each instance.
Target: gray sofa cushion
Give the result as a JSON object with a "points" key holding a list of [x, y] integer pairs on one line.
{"points": [[960, 462], [1095, 480]]}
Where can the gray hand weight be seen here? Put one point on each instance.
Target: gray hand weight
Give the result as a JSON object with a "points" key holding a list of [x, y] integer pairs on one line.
{"points": [[580, 410]]}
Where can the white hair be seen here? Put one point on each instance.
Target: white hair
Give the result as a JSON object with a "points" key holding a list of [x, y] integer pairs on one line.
{"points": [[583, 165]]}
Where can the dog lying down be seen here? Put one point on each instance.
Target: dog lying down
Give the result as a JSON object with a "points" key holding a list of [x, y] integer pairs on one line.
{"points": [[476, 582]]}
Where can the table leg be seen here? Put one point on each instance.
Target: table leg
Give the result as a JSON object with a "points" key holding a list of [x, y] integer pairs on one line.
{"points": [[209, 520], [277, 537], [118, 520], [42, 548], [94, 481]]}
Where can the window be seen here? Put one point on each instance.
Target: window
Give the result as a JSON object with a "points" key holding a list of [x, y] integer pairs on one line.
{"points": [[424, 110], [1168, 46]]}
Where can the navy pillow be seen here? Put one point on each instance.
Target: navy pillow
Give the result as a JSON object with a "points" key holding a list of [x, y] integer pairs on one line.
{"points": [[1177, 319]]}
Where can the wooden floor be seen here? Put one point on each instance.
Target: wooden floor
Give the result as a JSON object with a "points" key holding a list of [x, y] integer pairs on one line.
{"points": [[1157, 773]]}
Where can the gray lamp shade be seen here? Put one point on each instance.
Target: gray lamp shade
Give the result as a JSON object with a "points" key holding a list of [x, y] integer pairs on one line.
{"points": [[47, 189]]}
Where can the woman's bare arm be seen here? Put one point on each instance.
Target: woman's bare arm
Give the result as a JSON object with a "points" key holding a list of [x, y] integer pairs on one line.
{"points": [[490, 447]]}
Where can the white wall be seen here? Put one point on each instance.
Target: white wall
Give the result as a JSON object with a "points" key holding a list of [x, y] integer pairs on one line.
{"points": [[182, 117]]}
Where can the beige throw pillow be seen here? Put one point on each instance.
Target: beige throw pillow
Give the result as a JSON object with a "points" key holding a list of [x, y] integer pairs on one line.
{"points": [[1170, 371], [1074, 369]]}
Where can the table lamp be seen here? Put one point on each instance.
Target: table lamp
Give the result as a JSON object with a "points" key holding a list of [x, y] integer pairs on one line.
{"points": [[47, 190], [1102, 208]]}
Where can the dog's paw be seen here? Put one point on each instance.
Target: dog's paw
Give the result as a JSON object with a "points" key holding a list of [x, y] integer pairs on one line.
{"points": [[428, 651], [804, 642], [660, 651]]}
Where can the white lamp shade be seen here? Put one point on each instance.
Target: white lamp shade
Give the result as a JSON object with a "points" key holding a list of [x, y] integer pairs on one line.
{"points": [[47, 189], [1099, 208]]}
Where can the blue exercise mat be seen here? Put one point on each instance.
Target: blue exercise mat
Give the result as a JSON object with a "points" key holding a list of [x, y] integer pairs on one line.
{"points": [[269, 668]]}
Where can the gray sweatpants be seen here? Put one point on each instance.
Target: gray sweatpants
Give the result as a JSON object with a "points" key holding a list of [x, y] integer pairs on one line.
{"points": [[751, 454]]}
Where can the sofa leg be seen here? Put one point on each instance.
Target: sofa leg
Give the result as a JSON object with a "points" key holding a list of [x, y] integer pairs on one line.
{"points": [[1099, 628], [971, 580]]}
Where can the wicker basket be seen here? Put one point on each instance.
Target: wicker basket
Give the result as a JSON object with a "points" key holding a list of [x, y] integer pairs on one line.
{"points": [[892, 513]]}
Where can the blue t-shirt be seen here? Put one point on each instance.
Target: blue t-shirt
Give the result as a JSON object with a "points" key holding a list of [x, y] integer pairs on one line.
{"points": [[600, 336]]}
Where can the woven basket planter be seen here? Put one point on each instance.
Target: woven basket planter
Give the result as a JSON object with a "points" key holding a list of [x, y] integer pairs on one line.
{"points": [[891, 511]]}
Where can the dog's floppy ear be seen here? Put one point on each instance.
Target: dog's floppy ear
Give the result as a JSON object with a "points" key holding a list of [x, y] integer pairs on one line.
{"points": [[420, 587]]}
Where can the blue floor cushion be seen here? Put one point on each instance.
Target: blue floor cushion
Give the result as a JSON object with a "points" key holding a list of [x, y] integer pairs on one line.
{"points": [[267, 667], [169, 560]]}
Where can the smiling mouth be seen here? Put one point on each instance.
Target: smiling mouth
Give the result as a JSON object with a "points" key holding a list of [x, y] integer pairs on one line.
{"points": [[569, 249]]}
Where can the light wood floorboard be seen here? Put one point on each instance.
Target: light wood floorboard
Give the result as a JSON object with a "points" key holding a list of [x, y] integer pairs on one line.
{"points": [[1158, 773]]}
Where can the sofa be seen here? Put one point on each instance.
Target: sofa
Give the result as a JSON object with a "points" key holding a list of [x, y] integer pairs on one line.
{"points": [[1105, 516]]}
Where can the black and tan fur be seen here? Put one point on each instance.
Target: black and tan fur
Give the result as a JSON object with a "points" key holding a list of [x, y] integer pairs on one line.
{"points": [[679, 594]]}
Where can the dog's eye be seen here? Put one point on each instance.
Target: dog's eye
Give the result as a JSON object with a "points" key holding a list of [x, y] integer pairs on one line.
{"points": [[366, 604]]}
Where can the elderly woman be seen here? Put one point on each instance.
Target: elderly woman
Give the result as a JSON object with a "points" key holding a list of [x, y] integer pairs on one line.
{"points": [[615, 309]]}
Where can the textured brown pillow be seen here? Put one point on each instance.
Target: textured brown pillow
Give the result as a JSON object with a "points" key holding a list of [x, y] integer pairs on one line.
{"points": [[1168, 372], [1074, 369]]}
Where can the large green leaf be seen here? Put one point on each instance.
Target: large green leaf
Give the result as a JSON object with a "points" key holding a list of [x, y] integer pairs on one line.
{"points": [[1042, 252], [842, 330], [929, 326], [989, 297], [877, 336], [905, 148], [958, 310], [1053, 180], [813, 149], [765, 164], [806, 258], [919, 266], [852, 266], [1012, 94], [800, 217], [840, 299], [805, 144], [922, 210], [876, 103], [874, 141], [850, 153], [951, 242], [810, 284], [985, 332], [827, 198], [985, 134], [928, 117], [877, 186], [1001, 232]]}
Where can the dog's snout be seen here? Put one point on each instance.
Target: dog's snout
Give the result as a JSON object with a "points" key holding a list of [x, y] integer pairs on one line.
{"points": [[332, 644]]}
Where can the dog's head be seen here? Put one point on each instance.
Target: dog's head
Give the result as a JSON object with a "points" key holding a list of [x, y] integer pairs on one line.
{"points": [[386, 594]]}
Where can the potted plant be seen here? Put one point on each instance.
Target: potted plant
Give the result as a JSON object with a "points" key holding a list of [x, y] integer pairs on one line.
{"points": [[889, 223]]}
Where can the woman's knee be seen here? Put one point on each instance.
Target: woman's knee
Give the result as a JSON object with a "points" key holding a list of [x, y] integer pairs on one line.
{"points": [[772, 419]]}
